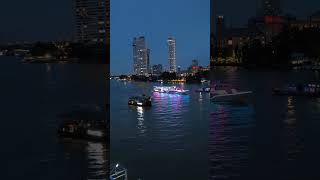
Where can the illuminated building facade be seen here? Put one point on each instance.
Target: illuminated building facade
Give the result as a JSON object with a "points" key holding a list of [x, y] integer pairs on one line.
{"points": [[92, 21], [141, 57], [271, 8], [172, 54], [271, 18]]}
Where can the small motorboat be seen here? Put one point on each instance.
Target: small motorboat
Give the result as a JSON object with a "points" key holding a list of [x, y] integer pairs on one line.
{"points": [[140, 101], [170, 90], [298, 90], [226, 93], [204, 81], [203, 90]]}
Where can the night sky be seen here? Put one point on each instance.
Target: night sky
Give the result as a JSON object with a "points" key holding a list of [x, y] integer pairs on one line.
{"points": [[30, 20], [186, 20]]}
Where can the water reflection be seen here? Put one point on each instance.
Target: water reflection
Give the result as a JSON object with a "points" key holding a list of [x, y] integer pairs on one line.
{"points": [[170, 103], [97, 160], [94, 158], [282, 138], [228, 140], [200, 97], [140, 125], [290, 132], [166, 135], [48, 68]]}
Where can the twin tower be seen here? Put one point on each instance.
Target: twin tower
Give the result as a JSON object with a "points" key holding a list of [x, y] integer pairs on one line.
{"points": [[141, 56]]}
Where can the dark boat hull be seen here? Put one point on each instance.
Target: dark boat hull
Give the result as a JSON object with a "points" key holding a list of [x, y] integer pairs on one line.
{"points": [[140, 101], [93, 132], [134, 103]]}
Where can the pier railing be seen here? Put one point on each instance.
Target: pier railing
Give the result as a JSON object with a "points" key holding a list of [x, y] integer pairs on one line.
{"points": [[118, 173]]}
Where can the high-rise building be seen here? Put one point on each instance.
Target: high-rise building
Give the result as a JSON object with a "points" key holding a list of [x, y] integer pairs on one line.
{"points": [[220, 32], [195, 63], [172, 54], [194, 66], [138, 43], [212, 29], [270, 20], [92, 21], [157, 69], [141, 57], [271, 7]]}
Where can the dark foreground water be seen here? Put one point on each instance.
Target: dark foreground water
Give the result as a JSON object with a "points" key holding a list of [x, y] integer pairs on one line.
{"points": [[166, 141], [272, 137], [32, 97]]}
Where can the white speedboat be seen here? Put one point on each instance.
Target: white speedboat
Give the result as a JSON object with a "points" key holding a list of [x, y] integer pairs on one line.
{"points": [[204, 81], [169, 90], [225, 93]]}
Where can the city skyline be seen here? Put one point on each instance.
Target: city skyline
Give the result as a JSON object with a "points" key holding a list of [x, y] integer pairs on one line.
{"points": [[39, 21], [156, 21], [240, 11]]}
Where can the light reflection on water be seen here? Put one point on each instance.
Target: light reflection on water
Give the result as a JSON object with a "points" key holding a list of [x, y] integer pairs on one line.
{"points": [[290, 132], [275, 139], [140, 126], [159, 135], [228, 140], [93, 158], [97, 160]]}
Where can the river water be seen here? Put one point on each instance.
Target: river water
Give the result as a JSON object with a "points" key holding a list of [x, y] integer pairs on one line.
{"points": [[189, 137], [32, 98], [165, 141], [179, 137], [270, 138]]}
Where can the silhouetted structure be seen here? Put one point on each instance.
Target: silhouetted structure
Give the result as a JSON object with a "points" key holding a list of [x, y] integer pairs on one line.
{"points": [[157, 69]]}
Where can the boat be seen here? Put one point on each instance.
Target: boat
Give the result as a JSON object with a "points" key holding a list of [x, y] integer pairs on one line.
{"points": [[169, 90], [83, 124], [140, 101], [204, 81], [226, 93], [312, 90], [203, 90]]}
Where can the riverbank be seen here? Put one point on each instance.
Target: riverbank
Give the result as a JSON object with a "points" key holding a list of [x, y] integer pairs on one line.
{"points": [[265, 67]]}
